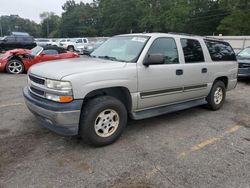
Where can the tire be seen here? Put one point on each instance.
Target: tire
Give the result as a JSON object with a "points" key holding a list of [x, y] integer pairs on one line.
{"points": [[216, 96], [71, 48], [15, 66], [113, 115]]}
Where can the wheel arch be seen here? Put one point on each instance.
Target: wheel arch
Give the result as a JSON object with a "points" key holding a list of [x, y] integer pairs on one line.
{"points": [[13, 58], [120, 93], [224, 79]]}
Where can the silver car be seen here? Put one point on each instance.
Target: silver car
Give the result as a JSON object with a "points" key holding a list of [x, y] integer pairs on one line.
{"points": [[130, 76]]}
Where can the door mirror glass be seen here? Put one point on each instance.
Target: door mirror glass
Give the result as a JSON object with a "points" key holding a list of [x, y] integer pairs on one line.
{"points": [[154, 59]]}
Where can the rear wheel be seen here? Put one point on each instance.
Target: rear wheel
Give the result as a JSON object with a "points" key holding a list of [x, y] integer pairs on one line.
{"points": [[217, 96], [71, 48], [15, 66], [103, 120]]}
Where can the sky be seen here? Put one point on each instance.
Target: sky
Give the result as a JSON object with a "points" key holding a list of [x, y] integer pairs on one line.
{"points": [[32, 8]]}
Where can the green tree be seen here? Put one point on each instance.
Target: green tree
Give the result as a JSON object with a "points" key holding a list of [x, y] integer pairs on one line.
{"points": [[237, 23], [15, 23], [50, 24]]}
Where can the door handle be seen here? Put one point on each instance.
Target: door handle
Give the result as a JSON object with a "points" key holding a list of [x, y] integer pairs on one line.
{"points": [[179, 72], [204, 70]]}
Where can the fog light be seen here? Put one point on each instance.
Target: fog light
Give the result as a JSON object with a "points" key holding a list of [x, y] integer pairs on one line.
{"points": [[56, 98]]}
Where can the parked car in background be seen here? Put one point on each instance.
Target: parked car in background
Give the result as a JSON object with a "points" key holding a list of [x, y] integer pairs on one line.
{"points": [[20, 60], [72, 44], [134, 75], [17, 40], [42, 42], [243, 58], [89, 47]]}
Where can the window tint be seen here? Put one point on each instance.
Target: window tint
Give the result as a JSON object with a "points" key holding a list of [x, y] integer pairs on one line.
{"points": [[167, 47], [50, 52], [192, 51], [220, 51]]}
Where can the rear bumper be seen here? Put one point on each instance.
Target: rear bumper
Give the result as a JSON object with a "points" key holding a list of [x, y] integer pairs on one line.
{"points": [[60, 118]]}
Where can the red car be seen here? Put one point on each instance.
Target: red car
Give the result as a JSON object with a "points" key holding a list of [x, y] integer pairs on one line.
{"points": [[20, 60]]}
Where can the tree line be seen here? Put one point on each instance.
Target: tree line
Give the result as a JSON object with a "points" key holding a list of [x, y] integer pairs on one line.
{"points": [[111, 17]]}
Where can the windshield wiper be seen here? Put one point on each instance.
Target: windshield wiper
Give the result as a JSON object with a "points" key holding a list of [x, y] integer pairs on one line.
{"points": [[110, 58]]}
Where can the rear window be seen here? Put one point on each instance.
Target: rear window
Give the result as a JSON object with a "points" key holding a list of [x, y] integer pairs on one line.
{"points": [[220, 50], [192, 51]]}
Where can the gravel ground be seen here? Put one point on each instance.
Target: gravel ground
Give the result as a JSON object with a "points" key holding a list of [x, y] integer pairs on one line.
{"points": [[191, 148]]}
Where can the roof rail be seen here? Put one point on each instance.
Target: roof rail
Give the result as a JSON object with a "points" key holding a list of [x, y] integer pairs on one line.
{"points": [[185, 34], [212, 38]]}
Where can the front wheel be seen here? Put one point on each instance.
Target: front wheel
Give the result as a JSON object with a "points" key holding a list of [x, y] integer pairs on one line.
{"points": [[217, 96], [15, 66], [103, 120]]}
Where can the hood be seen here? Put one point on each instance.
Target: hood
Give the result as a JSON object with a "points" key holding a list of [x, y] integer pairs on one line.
{"points": [[61, 68], [245, 60]]}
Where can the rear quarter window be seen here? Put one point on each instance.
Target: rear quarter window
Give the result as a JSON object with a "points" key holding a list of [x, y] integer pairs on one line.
{"points": [[220, 50]]}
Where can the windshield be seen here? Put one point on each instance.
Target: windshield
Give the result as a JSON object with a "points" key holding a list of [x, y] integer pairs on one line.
{"points": [[4, 38], [36, 51], [244, 54], [121, 48]]}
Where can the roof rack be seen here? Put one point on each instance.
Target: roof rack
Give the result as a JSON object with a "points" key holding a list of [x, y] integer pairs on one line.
{"points": [[213, 38], [185, 34]]}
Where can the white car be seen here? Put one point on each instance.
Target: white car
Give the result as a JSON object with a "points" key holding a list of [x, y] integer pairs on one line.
{"points": [[72, 44]]}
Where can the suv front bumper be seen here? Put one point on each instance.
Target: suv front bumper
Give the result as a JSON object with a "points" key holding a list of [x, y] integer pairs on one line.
{"points": [[244, 72], [60, 118]]}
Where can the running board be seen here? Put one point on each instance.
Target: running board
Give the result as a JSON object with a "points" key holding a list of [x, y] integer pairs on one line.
{"points": [[166, 109]]}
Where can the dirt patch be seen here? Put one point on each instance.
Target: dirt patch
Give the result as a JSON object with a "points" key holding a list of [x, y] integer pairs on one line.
{"points": [[14, 148], [4, 131], [136, 178], [133, 185], [242, 120]]}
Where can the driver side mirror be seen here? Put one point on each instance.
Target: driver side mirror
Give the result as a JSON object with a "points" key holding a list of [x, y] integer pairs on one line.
{"points": [[42, 54], [154, 59]]}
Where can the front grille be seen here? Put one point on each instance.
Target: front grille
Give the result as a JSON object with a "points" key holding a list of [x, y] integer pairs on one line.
{"points": [[244, 65], [37, 80], [37, 91]]}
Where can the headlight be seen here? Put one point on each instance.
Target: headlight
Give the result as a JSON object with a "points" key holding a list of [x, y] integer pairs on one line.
{"points": [[58, 85]]}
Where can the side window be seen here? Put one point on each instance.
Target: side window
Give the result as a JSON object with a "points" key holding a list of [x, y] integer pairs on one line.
{"points": [[85, 41], [50, 52], [11, 39], [192, 51], [79, 41], [167, 47], [220, 51]]}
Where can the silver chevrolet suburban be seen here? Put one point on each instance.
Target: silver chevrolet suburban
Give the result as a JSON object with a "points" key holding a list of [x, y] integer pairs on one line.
{"points": [[134, 75]]}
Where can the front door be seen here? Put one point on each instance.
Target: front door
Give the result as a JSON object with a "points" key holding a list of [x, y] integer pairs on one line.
{"points": [[161, 84]]}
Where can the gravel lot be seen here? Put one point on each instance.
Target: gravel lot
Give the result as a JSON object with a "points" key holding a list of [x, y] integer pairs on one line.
{"points": [[191, 148]]}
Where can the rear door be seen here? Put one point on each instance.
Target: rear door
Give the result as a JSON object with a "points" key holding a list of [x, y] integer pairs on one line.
{"points": [[196, 68]]}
